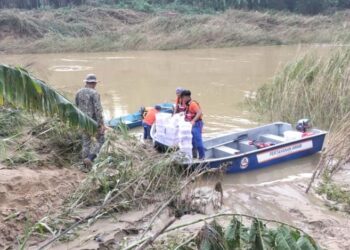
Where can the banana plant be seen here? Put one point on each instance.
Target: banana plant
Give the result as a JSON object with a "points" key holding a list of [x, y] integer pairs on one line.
{"points": [[20, 89], [258, 236]]}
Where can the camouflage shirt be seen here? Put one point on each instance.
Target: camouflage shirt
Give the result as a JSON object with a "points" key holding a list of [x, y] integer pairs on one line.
{"points": [[88, 101]]}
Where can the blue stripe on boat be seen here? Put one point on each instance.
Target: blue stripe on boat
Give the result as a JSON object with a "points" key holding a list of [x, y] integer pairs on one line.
{"points": [[235, 151]]}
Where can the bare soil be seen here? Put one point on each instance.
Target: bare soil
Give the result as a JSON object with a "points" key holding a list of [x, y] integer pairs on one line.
{"points": [[283, 200], [27, 195]]}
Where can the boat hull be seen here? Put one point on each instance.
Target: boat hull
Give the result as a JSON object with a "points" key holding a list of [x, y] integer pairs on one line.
{"points": [[266, 157]]}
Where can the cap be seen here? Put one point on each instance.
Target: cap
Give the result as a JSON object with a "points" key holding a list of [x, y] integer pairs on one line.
{"points": [[91, 78], [179, 90]]}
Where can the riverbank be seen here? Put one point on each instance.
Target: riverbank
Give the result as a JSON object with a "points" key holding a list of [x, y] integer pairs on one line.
{"points": [[134, 185], [88, 29], [282, 200]]}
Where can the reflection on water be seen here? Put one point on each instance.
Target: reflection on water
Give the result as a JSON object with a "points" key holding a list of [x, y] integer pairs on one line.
{"points": [[284, 172], [65, 68], [73, 60], [296, 169]]}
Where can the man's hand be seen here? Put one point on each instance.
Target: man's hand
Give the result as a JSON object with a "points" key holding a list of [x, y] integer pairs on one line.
{"points": [[193, 122]]}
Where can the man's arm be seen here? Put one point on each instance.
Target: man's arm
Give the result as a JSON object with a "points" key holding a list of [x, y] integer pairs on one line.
{"points": [[195, 108], [198, 114]]}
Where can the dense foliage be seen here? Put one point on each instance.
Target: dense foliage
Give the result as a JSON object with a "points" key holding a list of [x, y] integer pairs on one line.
{"points": [[257, 236], [300, 6], [312, 86]]}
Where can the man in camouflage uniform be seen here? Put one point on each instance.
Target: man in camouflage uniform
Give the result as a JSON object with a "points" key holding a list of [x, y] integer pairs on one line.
{"points": [[88, 100]]}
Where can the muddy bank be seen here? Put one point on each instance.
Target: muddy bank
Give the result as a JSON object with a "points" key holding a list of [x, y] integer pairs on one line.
{"points": [[87, 29], [283, 200], [27, 195]]}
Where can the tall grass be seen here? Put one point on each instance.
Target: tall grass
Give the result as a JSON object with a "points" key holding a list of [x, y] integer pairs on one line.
{"points": [[28, 140], [315, 87], [335, 157], [110, 28], [11, 121]]}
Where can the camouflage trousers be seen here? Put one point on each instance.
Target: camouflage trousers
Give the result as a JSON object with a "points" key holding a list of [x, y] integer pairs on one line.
{"points": [[92, 145]]}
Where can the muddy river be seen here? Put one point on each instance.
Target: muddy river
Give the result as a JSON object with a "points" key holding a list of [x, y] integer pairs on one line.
{"points": [[219, 79]]}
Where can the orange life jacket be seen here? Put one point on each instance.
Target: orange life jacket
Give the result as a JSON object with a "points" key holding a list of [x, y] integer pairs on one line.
{"points": [[190, 114], [150, 116], [145, 111]]}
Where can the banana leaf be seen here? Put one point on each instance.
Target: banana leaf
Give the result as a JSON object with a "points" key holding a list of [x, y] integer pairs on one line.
{"points": [[233, 234], [211, 237], [23, 90], [260, 239], [280, 242], [289, 237], [304, 243]]}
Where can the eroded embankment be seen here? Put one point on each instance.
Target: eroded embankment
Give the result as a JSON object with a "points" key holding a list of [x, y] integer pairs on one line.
{"points": [[282, 200], [87, 29], [27, 195]]}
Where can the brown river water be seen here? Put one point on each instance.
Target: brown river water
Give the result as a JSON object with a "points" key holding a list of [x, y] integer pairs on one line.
{"points": [[219, 79]]}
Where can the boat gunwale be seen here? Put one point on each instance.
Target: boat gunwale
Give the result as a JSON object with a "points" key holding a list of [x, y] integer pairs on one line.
{"points": [[321, 133]]}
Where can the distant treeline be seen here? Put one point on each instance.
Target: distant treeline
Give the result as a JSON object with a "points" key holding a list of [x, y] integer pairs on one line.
{"points": [[300, 6], [35, 4]]}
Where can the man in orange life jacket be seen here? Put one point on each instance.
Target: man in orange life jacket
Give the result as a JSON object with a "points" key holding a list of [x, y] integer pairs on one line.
{"points": [[179, 105], [148, 121], [194, 115]]}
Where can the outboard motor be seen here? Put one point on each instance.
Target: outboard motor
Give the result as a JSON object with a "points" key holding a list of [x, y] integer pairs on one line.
{"points": [[303, 125]]}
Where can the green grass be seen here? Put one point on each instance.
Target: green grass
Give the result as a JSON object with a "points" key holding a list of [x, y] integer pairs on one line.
{"points": [[334, 191]]}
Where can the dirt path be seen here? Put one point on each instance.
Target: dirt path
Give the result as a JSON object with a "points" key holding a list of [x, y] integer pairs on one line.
{"points": [[27, 195]]}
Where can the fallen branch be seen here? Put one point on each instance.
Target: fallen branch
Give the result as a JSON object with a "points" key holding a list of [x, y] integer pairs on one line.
{"points": [[191, 180], [91, 215], [186, 242], [337, 152], [156, 235], [317, 170]]}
